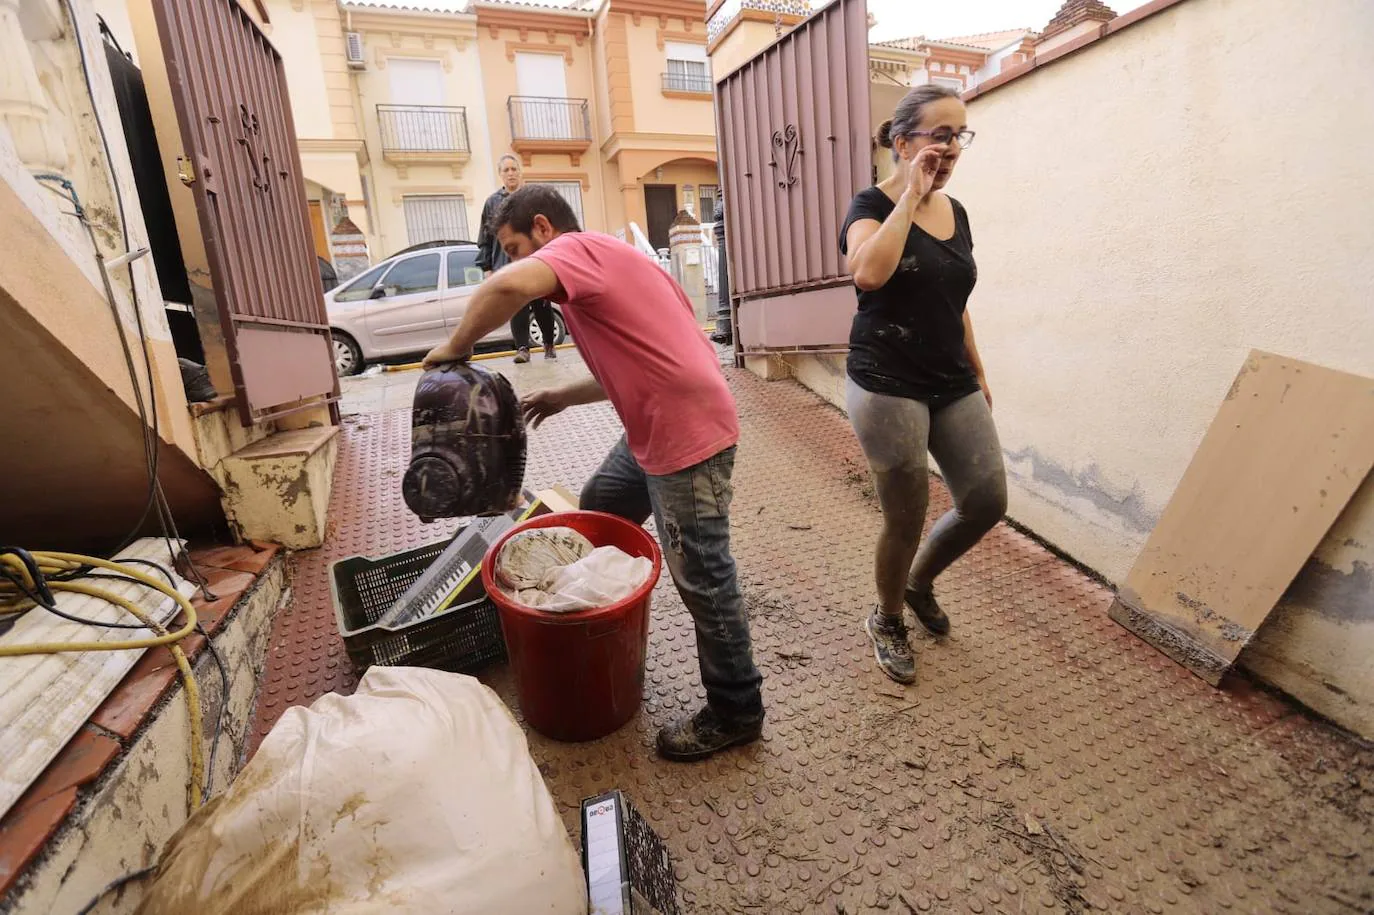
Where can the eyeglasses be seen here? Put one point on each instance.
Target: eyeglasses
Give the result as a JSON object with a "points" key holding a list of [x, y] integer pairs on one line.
{"points": [[944, 136]]}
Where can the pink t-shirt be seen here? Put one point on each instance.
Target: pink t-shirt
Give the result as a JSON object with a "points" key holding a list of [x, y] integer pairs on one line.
{"points": [[635, 329]]}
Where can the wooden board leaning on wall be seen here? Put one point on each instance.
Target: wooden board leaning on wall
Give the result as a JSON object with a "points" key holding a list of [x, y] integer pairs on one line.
{"points": [[1289, 446]]}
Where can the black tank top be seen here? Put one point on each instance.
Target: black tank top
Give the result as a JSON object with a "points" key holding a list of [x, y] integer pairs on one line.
{"points": [[908, 337]]}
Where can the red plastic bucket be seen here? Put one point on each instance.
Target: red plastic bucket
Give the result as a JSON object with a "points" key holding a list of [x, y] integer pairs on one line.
{"points": [[579, 676]]}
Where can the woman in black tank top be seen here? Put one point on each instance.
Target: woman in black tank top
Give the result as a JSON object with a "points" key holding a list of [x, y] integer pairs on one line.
{"points": [[916, 384]]}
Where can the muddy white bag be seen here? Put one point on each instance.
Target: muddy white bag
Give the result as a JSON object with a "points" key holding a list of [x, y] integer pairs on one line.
{"points": [[417, 794]]}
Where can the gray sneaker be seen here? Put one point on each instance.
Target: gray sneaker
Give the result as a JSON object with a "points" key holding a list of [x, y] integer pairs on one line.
{"points": [[891, 648], [922, 603]]}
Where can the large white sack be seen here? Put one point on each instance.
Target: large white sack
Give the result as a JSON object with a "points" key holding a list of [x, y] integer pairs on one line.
{"points": [[417, 794]]}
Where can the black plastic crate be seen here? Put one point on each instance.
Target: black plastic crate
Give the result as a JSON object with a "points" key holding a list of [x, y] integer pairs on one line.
{"points": [[627, 866], [461, 639]]}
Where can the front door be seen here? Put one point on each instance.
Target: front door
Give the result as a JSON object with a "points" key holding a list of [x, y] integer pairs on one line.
{"points": [[660, 209], [406, 315], [318, 230]]}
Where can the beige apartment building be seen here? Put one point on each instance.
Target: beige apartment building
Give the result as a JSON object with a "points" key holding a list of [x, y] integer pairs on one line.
{"points": [[402, 112], [403, 108]]}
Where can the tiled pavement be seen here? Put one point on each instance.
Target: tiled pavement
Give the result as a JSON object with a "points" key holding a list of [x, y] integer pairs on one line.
{"points": [[1046, 761]]}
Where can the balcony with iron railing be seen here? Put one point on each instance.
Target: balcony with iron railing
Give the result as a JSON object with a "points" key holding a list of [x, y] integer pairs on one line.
{"points": [[549, 125], [424, 134], [688, 85]]}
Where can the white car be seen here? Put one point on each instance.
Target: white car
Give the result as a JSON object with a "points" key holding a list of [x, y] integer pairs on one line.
{"points": [[410, 303]]}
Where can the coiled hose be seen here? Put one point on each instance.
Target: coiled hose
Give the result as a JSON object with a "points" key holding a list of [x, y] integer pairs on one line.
{"points": [[19, 587]]}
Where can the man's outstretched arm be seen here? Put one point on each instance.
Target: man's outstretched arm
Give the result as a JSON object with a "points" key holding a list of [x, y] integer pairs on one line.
{"points": [[494, 303], [540, 405]]}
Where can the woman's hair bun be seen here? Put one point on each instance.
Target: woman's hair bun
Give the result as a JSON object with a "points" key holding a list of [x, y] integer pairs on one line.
{"points": [[885, 134]]}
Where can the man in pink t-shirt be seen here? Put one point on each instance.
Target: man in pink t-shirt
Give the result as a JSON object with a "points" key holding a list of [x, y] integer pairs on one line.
{"points": [[636, 332]]}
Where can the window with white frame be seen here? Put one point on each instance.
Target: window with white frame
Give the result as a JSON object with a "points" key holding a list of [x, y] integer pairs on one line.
{"points": [[436, 218], [688, 68], [570, 191], [949, 82]]}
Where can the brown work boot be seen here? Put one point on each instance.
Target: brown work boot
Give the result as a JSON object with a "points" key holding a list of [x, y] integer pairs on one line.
{"points": [[522, 355], [550, 352], [705, 734]]}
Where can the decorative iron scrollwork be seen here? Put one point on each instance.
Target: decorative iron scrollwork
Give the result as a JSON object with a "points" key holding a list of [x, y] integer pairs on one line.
{"points": [[259, 162], [788, 141]]}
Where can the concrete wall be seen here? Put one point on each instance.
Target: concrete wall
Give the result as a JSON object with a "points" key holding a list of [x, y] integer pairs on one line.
{"points": [[1145, 212], [141, 802]]}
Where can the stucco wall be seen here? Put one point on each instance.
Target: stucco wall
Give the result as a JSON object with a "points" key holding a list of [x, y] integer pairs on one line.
{"points": [[293, 32], [452, 41], [498, 74], [72, 117], [739, 45], [1145, 212], [1138, 231], [655, 112]]}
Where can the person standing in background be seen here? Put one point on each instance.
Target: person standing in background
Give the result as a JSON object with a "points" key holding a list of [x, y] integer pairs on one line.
{"points": [[491, 258], [724, 333]]}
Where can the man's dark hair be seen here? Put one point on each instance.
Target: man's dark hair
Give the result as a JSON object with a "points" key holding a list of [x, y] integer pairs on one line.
{"points": [[519, 209]]}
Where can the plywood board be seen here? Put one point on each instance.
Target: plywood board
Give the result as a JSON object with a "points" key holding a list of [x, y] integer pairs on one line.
{"points": [[44, 699], [1288, 448]]}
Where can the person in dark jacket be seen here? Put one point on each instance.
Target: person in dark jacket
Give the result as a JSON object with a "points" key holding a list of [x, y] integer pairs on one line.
{"points": [[724, 334], [491, 258]]}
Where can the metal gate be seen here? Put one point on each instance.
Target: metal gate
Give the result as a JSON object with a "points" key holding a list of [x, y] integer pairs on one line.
{"points": [[795, 146], [231, 99]]}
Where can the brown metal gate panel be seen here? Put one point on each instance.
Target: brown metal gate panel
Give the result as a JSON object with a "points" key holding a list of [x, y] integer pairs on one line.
{"points": [[235, 115], [795, 147]]}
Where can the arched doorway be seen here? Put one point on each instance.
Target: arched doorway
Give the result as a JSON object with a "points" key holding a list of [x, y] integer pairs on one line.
{"points": [[676, 185], [658, 185]]}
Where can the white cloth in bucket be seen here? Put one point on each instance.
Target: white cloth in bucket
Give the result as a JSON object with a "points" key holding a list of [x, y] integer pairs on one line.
{"points": [[603, 577], [415, 795]]}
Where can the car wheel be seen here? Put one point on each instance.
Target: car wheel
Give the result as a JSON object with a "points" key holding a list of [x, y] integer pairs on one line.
{"points": [[560, 332], [348, 357]]}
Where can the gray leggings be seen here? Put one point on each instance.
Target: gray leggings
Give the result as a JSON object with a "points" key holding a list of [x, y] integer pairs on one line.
{"points": [[896, 433]]}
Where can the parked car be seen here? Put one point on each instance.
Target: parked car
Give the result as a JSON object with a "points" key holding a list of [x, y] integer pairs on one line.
{"points": [[408, 304]]}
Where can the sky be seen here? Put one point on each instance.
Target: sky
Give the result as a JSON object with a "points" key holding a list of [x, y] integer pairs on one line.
{"points": [[944, 19]]}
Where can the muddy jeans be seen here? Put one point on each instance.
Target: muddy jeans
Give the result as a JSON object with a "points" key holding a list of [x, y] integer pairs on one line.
{"points": [[692, 511], [896, 433]]}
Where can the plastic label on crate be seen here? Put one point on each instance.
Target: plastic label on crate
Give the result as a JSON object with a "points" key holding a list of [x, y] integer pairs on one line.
{"points": [[627, 865], [608, 886]]}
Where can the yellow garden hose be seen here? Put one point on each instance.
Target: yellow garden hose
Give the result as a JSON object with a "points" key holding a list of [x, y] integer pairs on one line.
{"points": [[12, 600]]}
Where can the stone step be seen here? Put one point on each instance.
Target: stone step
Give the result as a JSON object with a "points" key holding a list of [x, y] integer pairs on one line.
{"points": [[277, 489]]}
